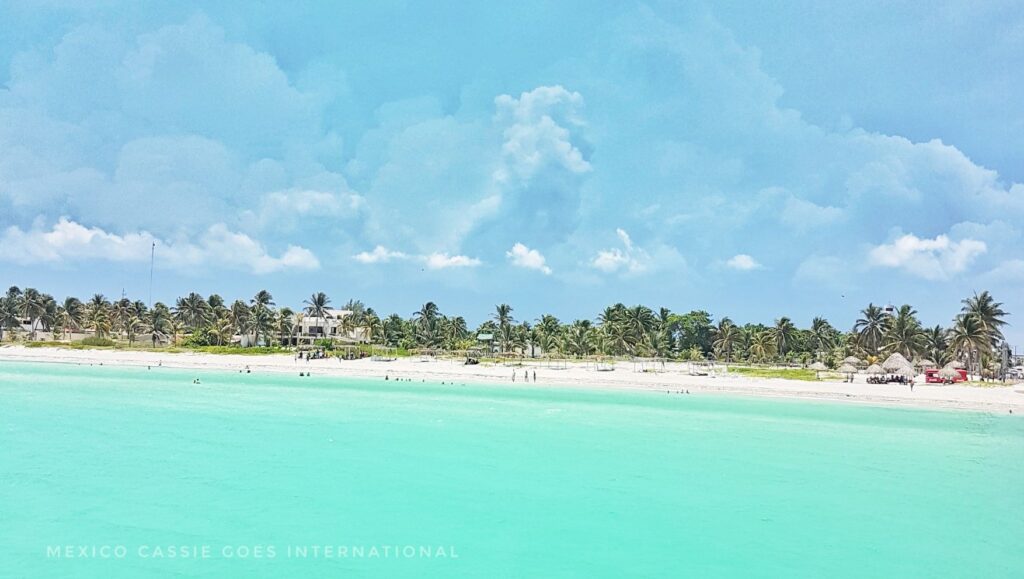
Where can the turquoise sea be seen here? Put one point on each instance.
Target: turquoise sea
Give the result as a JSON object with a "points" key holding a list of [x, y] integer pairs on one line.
{"points": [[110, 472]]}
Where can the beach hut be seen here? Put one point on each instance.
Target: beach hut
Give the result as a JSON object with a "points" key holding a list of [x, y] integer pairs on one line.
{"points": [[906, 370], [924, 364], [849, 370], [955, 364], [895, 362], [818, 368], [875, 369]]}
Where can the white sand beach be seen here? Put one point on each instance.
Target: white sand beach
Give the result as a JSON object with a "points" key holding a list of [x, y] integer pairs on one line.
{"points": [[994, 399]]}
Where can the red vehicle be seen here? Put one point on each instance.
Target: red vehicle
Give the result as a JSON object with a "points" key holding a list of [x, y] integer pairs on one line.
{"points": [[932, 376]]}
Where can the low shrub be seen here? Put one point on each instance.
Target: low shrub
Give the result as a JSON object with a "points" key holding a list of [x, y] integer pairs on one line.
{"points": [[97, 341]]}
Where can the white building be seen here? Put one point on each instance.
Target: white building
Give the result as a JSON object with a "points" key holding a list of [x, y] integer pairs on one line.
{"points": [[331, 326]]}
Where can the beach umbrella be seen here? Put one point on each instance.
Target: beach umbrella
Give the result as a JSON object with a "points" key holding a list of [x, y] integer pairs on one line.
{"points": [[852, 360], [849, 369], [895, 362], [905, 370], [875, 369], [926, 363], [948, 373], [818, 368]]}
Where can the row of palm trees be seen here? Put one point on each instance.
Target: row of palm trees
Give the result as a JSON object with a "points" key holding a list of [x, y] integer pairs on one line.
{"points": [[974, 337]]}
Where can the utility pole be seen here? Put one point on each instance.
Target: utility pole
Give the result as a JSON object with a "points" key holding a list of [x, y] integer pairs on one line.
{"points": [[152, 255]]}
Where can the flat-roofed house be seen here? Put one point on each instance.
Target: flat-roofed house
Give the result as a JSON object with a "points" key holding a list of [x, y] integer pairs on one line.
{"points": [[331, 326]]}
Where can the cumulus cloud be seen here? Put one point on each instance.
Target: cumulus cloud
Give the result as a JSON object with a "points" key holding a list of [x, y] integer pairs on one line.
{"points": [[743, 262], [109, 123], [522, 256], [379, 254], [69, 241], [627, 259], [533, 138], [936, 259]]}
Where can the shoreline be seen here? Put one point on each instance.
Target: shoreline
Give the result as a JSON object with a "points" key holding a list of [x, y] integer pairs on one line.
{"points": [[994, 400]]}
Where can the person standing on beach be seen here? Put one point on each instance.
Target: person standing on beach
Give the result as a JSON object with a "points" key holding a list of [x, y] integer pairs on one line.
{"points": [[513, 375]]}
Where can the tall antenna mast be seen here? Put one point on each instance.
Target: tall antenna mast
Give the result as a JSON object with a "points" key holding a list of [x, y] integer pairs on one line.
{"points": [[152, 255]]}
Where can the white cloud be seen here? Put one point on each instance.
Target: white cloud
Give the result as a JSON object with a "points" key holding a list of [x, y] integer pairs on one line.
{"points": [[803, 214], [525, 257], [285, 209], [436, 260], [1011, 270], [380, 254], [743, 262], [69, 241], [533, 138], [444, 261], [630, 259], [939, 258], [609, 260]]}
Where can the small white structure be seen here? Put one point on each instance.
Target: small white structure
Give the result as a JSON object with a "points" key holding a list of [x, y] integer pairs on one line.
{"points": [[331, 326]]}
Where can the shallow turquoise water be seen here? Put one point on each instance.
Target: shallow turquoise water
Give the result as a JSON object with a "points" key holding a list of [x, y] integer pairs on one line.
{"points": [[495, 482]]}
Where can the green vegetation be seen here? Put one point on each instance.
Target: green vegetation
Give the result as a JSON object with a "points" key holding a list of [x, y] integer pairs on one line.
{"points": [[96, 341], [787, 373], [210, 324]]}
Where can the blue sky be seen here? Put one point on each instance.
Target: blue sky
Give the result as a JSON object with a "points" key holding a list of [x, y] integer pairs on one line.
{"points": [[750, 159]]}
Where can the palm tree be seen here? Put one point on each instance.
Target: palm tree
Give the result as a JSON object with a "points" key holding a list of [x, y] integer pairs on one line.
{"points": [[192, 311], [316, 306], [176, 328], [823, 334], [455, 331], [989, 313], [375, 326], [577, 338], [97, 315], [285, 325], [239, 315], [639, 321], [261, 322], [70, 315], [222, 330], [393, 330], [904, 334], [969, 338], [32, 306], [261, 313], [131, 326], [762, 346], [425, 326], [217, 306], [8, 314], [503, 316], [782, 333], [727, 335], [870, 328], [936, 345], [158, 321]]}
